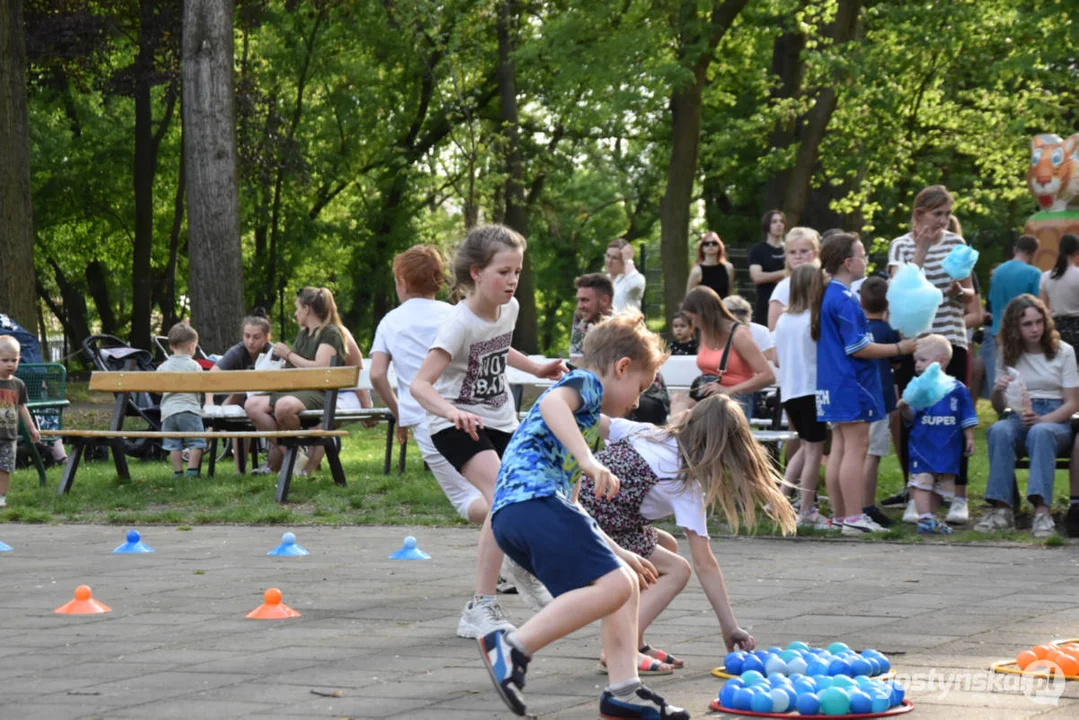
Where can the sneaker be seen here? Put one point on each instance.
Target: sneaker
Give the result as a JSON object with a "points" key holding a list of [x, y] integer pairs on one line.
{"points": [[878, 517], [897, 500], [264, 470], [478, 620], [1071, 521], [815, 520], [958, 514], [531, 590], [643, 703], [507, 666], [1043, 526], [910, 515], [997, 518], [862, 526], [505, 587], [930, 526]]}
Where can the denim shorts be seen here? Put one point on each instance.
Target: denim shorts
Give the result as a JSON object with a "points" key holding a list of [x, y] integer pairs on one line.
{"points": [[183, 422]]}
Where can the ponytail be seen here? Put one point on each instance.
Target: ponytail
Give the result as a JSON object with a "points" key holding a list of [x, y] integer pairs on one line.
{"points": [[1069, 245], [835, 251], [816, 300]]}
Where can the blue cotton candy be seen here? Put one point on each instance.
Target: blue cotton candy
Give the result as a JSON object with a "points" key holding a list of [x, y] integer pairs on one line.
{"points": [[960, 262], [912, 301], [929, 388]]}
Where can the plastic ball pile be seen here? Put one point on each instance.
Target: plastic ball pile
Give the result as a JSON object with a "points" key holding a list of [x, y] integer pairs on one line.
{"points": [[811, 681], [1042, 658]]}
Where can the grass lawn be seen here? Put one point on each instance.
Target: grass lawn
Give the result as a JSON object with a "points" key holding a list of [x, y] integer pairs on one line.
{"points": [[414, 498]]}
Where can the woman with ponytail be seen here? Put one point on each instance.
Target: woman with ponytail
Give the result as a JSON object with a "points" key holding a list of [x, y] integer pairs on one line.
{"points": [[849, 394], [1060, 290]]}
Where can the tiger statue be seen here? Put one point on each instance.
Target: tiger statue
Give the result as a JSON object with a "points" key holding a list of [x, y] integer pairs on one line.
{"points": [[1053, 176]]}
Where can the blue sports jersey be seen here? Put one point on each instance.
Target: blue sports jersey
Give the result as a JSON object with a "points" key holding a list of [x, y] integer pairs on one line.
{"points": [[535, 464], [848, 388], [936, 433], [885, 334]]}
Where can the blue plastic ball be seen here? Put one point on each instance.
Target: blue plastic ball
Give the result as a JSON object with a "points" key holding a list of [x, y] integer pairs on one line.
{"points": [[823, 681], [737, 682], [775, 666], [797, 645], [761, 702], [290, 539], [839, 666], [726, 695], [797, 666], [860, 703], [838, 647], [410, 542], [882, 700], [761, 655], [733, 662], [885, 665], [804, 685], [844, 682], [133, 536], [807, 703], [743, 699], [834, 701], [781, 702], [874, 666], [788, 655], [860, 666], [898, 693], [775, 650], [752, 677], [752, 662], [817, 667]]}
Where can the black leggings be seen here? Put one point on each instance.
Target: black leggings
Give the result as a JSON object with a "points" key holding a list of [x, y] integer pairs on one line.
{"points": [[958, 368]]}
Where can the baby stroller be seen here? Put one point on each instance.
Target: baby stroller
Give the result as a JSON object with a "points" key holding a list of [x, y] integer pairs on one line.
{"points": [[110, 353]]}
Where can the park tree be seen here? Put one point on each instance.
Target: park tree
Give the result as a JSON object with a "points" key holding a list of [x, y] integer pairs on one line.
{"points": [[215, 282], [18, 295]]}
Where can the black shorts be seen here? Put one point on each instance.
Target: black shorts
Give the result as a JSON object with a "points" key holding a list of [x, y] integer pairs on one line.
{"points": [[802, 413], [458, 448]]}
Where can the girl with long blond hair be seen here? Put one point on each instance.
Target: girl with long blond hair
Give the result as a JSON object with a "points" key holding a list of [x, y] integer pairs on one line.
{"points": [[704, 458]]}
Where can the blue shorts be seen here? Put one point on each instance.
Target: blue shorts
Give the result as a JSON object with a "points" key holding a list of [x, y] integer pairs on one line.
{"points": [[556, 541], [183, 422]]}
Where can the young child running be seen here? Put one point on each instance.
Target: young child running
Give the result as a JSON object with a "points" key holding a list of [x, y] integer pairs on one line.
{"points": [[182, 412], [13, 399], [849, 394], [538, 524], [471, 415], [796, 355], [705, 457], [939, 436]]}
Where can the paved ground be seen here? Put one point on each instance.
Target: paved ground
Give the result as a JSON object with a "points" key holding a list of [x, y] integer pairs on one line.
{"points": [[379, 633]]}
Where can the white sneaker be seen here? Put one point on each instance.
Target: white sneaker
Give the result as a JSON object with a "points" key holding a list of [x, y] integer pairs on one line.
{"points": [[958, 514], [1043, 526], [479, 620], [264, 470], [529, 588], [910, 515], [998, 518], [862, 526], [815, 520]]}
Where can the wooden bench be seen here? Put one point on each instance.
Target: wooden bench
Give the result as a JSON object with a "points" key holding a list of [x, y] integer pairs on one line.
{"points": [[122, 384]]}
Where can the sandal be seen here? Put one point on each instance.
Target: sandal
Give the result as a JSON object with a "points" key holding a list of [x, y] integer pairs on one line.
{"points": [[264, 470], [663, 656], [645, 666]]}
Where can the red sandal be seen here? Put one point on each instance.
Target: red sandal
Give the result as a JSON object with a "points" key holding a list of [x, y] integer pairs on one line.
{"points": [[663, 656], [645, 666]]}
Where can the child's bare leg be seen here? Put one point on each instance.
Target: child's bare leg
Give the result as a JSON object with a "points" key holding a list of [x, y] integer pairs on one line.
{"points": [[795, 465], [852, 468], [923, 500], [482, 471], [674, 574], [5, 482], [618, 631], [666, 540], [831, 474], [258, 410], [194, 459], [811, 455], [177, 459], [872, 468]]}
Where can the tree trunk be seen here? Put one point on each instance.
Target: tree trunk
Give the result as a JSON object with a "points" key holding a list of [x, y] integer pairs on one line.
{"points": [[846, 22], [215, 283], [18, 295], [789, 66], [168, 300], [525, 336], [72, 315], [143, 181], [97, 280]]}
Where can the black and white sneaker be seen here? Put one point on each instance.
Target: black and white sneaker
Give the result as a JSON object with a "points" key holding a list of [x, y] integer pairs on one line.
{"points": [[505, 587], [897, 500], [879, 517], [643, 704], [507, 667]]}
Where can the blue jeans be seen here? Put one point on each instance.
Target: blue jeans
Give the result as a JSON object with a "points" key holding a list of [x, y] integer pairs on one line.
{"points": [[1008, 437], [988, 352]]}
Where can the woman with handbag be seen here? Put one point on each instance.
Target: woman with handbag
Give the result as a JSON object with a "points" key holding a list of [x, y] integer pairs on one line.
{"points": [[729, 359]]}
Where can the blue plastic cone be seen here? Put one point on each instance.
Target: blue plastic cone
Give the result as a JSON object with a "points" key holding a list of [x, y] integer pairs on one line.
{"points": [[288, 547], [5, 548], [409, 551], [133, 545]]}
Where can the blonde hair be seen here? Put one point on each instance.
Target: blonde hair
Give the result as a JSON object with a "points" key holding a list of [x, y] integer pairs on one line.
{"points": [[8, 342], [804, 279], [479, 248], [937, 344], [623, 336], [739, 307], [717, 449], [806, 234], [182, 334], [322, 304]]}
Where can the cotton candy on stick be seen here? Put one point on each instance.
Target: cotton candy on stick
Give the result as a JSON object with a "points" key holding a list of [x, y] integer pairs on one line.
{"points": [[959, 263], [912, 301], [929, 388]]}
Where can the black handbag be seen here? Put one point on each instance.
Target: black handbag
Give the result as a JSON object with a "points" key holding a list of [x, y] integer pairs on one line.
{"points": [[697, 388]]}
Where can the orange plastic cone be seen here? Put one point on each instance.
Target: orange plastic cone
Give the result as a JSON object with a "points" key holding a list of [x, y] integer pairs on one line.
{"points": [[272, 608], [83, 604]]}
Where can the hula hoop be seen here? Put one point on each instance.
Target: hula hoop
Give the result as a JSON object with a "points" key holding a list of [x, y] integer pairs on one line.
{"points": [[721, 672], [1008, 667], [1058, 643], [905, 707]]}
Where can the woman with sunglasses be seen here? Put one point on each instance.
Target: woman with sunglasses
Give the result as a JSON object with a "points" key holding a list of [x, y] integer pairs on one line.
{"points": [[712, 269]]}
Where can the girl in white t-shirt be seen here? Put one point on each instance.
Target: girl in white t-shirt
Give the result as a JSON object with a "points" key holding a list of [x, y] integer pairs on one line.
{"points": [[796, 356], [803, 247], [470, 413], [704, 457]]}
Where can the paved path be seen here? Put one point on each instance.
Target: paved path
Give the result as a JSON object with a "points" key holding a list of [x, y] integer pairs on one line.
{"points": [[380, 633]]}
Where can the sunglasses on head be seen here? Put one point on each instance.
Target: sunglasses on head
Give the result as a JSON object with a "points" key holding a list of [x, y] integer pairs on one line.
{"points": [[709, 243]]}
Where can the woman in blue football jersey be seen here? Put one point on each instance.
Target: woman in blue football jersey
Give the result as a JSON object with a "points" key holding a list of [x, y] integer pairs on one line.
{"points": [[849, 393]]}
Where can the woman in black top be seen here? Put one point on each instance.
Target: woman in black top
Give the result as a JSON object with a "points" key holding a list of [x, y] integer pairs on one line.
{"points": [[712, 268]]}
